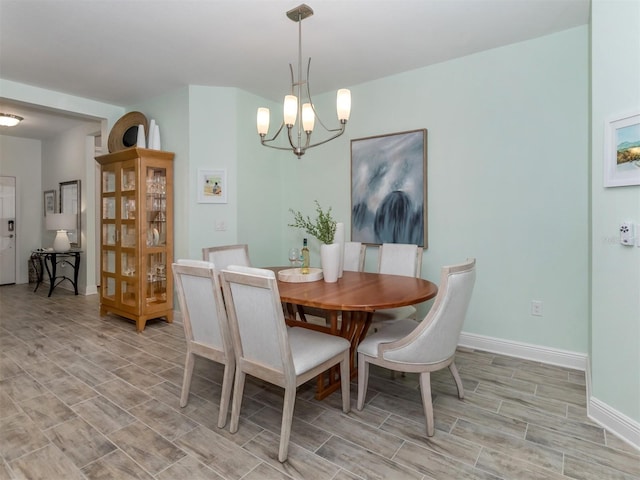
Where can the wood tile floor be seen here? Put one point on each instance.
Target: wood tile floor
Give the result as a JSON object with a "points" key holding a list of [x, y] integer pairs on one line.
{"points": [[85, 397]]}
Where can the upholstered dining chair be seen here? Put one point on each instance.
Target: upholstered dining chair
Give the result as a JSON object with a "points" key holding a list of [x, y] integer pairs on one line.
{"points": [[423, 347], [206, 326], [354, 253], [265, 348], [224, 255], [397, 259]]}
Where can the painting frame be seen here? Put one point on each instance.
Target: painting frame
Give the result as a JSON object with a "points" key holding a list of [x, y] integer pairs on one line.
{"points": [[212, 185], [70, 202], [389, 188], [49, 199], [622, 150]]}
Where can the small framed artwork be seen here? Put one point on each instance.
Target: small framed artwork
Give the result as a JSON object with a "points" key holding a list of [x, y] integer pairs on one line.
{"points": [[49, 202], [389, 188], [212, 186], [622, 151]]}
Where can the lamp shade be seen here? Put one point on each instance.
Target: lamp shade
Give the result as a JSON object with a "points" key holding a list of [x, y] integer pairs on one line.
{"points": [[308, 117], [61, 221], [290, 109], [263, 121], [343, 104]]}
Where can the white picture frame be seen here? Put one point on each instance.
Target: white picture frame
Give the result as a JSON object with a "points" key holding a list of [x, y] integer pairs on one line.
{"points": [[212, 185], [622, 150]]}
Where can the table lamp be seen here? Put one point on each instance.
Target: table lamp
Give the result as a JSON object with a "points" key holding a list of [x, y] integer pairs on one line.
{"points": [[61, 222]]}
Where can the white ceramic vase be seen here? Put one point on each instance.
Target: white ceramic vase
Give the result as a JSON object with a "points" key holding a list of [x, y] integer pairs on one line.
{"points": [[156, 138], [141, 143], [339, 239], [152, 127], [330, 261]]}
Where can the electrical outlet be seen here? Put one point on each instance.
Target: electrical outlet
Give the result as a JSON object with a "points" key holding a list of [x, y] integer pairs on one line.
{"points": [[536, 308], [221, 226], [627, 236]]}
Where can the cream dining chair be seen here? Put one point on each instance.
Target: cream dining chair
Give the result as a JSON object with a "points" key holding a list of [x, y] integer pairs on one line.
{"points": [[423, 347], [206, 326], [354, 253], [265, 348], [397, 259], [224, 255]]}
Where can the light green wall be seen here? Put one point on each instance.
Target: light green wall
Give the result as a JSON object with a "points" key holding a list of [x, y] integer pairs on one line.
{"points": [[261, 187], [508, 184], [171, 112], [615, 297], [508, 178]]}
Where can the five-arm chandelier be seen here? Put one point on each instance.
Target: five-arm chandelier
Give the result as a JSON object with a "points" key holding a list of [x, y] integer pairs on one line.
{"points": [[299, 112]]}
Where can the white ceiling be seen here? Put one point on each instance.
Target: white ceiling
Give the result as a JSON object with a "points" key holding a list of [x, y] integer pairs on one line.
{"points": [[126, 51]]}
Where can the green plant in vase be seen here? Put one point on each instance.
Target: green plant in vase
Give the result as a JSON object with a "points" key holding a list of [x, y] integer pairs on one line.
{"points": [[323, 227]]}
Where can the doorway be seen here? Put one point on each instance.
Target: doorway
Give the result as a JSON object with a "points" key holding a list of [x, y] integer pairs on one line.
{"points": [[7, 230]]}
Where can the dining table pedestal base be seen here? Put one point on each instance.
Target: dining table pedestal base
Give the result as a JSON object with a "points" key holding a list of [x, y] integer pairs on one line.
{"points": [[347, 324]]}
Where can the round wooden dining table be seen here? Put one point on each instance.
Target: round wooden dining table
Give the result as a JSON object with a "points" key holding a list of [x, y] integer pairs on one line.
{"points": [[353, 298]]}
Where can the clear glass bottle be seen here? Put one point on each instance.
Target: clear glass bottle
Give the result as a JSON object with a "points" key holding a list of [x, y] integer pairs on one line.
{"points": [[305, 257]]}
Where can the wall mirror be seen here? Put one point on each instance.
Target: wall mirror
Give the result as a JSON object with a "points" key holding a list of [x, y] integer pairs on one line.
{"points": [[70, 203]]}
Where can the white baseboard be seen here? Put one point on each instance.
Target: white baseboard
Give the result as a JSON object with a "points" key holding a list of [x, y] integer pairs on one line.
{"points": [[91, 290], [614, 421], [539, 353], [617, 423]]}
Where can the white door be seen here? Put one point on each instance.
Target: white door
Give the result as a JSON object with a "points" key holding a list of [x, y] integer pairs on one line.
{"points": [[7, 230]]}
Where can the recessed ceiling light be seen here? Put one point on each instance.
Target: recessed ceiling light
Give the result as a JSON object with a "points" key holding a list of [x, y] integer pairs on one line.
{"points": [[9, 120]]}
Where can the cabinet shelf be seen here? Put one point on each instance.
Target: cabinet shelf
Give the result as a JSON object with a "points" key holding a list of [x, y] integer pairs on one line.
{"points": [[137, 234]]}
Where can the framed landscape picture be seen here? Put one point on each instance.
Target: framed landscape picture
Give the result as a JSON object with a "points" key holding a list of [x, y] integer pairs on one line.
{"points": [[622, 151], [389, 188], [49, 202], [212, 186]]}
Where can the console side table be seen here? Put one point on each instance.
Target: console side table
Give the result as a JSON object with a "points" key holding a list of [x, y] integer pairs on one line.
{"points": [[51, 261]]}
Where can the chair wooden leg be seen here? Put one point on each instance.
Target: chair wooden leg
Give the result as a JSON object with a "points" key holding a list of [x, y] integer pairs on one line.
{"points": [[287, 420], [186, 378], [363, 380], [456, 376], [238, 391], [227, 383], [345, 376], [427, 402]]}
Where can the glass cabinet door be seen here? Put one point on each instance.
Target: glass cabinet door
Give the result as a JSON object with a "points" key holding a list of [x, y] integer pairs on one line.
{"points": [[156, 234], [108, 233], [156, 278]]}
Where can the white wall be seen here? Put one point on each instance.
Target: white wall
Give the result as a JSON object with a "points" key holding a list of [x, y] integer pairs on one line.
{"points": [[106, 115], [507, 178], [615, 270], [21, 158], [66, 158]]}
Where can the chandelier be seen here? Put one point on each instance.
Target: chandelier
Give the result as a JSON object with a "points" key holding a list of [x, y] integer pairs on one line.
{"points": [[299, 112]]}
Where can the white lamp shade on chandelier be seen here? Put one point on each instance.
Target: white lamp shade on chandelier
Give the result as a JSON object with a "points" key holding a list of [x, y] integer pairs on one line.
{"points": [[61, 223], [299, 113]]}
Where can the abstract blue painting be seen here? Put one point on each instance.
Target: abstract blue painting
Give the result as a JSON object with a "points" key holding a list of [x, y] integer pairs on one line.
{"points": [[389, 188]]}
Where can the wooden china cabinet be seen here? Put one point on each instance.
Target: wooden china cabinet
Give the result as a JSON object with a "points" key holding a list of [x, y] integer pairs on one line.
{"points": [[136, 231]]}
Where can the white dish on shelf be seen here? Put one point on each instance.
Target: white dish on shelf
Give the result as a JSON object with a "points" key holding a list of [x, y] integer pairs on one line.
{"points": [[295, 275], [156, 237]]}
